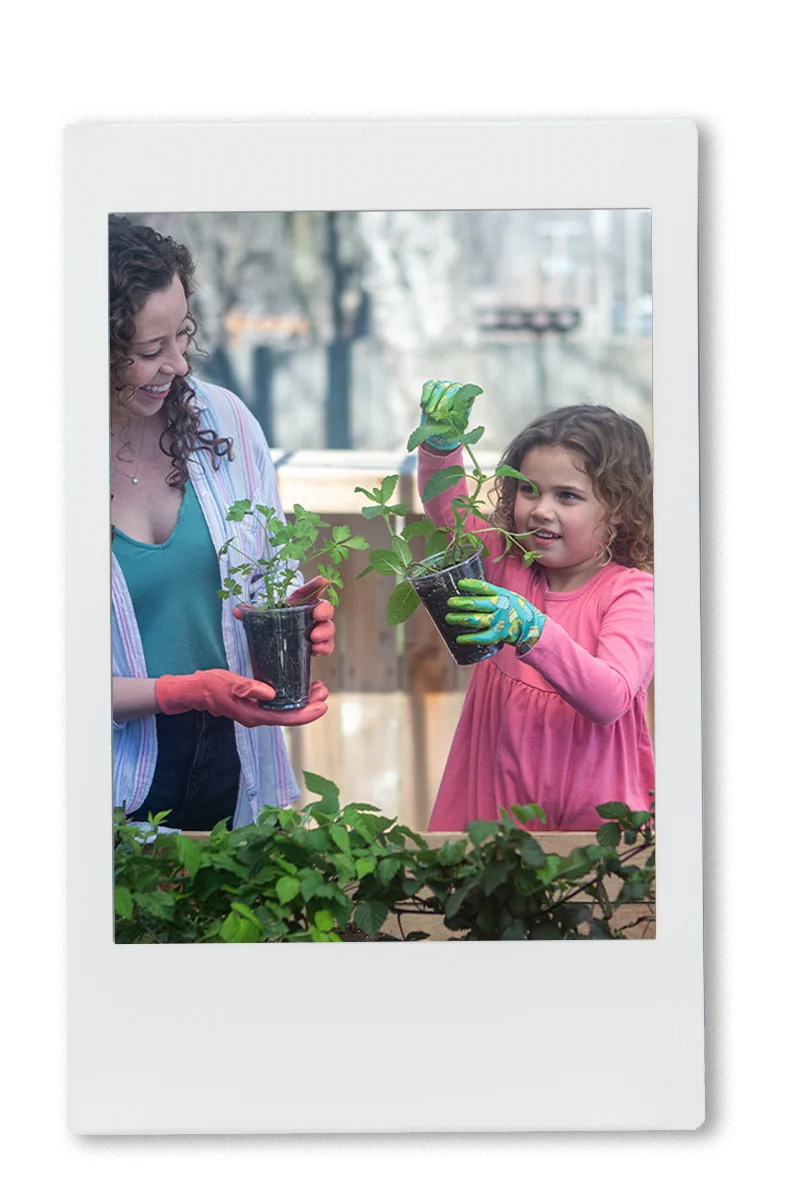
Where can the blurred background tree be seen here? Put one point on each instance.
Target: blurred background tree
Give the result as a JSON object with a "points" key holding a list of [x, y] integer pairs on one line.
{"points": [[327, 324]]}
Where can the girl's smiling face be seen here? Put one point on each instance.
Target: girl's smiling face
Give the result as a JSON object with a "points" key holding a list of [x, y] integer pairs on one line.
{"points": [[571, 518], [159, 350]]}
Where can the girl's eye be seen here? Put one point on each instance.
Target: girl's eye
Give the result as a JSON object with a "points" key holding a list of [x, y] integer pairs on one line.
{"points": [[568, 496]]}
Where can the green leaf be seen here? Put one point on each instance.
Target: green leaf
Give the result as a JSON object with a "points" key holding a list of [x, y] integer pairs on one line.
{"points": [[287, 887], [388, 486], [365, 866], [633, 890], [444, 479], [529, 812], [310, 881], [238, 928], [452, 852], [362, 824], [321, 787], [403, 551], [436, 541], [511, 473], [532, 852], [357, 543], [239, 509], [402, 603], [494, 874], [370, 916], [123, 902], [158, 904], [385, 562], [469, 439], [417, 529], [388, 868], [324, 920], [615, 809], [340, 532], [467, 392], [339, 835], [609, 834], [425, 431], [549, 870], [479, 830], [189, 854], [546, 931], [245, 911]]}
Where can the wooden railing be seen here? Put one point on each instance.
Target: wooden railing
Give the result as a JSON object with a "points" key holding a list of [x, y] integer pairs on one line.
{"points": [[395, 693]]}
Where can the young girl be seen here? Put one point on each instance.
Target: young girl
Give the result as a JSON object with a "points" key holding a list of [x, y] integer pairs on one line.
{"points": [[558, 716]]}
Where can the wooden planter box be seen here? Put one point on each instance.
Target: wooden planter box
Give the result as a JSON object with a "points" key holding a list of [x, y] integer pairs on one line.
{"points": [[552, 843]]}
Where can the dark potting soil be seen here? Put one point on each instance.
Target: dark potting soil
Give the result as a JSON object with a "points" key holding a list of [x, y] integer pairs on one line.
{"points": [[281, 652], [435, 589]]}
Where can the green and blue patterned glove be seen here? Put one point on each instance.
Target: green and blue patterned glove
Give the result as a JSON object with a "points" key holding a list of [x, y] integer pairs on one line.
{"points": [[501, 615], [445, 401]]}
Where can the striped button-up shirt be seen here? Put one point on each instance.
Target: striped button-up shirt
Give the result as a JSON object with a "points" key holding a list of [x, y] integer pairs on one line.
{"points": [[266, 774]]}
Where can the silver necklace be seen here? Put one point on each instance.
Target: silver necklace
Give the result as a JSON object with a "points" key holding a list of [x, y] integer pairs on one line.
{"points": [[133, 477]]}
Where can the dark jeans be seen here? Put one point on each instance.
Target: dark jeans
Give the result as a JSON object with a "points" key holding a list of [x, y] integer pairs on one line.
{"points": [[197, 771]]}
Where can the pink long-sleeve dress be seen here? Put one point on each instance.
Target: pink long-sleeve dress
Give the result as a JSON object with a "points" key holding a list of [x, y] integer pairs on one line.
{"points": [[563, 725]]}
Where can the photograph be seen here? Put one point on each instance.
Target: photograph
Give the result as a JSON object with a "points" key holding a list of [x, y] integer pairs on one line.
{"points": [[362, 644], [381, 502]]}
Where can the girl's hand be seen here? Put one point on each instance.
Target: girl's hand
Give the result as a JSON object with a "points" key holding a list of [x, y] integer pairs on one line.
{"points": [[444, 401], [322, 632], [503, 616]]}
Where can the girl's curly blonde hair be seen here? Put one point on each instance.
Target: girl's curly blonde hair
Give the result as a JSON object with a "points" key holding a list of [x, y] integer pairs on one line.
{"points": [[614, 452]]}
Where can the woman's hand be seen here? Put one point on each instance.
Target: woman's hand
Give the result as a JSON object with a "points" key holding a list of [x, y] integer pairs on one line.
{"points": [[225, 694], [314, 708], [502, 615], [444, 401], [322, 632]]}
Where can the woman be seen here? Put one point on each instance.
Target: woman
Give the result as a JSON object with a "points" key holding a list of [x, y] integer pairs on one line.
{"points": [[189, 733]]}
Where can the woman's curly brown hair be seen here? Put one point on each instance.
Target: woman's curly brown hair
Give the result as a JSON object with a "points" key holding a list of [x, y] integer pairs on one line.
{"points": [[614, 452], [141, 262]]}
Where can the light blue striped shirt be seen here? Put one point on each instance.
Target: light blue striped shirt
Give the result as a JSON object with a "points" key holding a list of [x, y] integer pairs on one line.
{"points": [[266, 773]]}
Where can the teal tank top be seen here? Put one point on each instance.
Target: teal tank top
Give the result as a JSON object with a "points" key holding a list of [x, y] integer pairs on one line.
{"points": [[173, 590]]}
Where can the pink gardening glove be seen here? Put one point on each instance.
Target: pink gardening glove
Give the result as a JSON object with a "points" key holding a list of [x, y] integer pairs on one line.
{"points": [[225, 694], [322, 633]]}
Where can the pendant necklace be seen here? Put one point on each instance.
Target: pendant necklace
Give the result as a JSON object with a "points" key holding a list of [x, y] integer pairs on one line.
{"points": [[134, 478]]}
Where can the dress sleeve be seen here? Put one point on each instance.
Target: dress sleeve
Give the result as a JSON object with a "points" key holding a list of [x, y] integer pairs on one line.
{"points": [[603, 686], [439, 510]]}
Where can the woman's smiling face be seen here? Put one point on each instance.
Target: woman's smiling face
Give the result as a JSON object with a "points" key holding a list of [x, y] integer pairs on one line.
{"points": [[569, 515], [159, 350]]}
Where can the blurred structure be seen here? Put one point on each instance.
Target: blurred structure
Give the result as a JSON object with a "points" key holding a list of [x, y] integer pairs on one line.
{"points": [[327, 324]]}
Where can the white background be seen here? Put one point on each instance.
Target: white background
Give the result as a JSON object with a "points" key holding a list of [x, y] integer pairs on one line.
{"points": [[355, 61]]}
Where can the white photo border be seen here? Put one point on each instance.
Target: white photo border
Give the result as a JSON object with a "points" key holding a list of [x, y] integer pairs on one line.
{"points": [[376, 1037]]}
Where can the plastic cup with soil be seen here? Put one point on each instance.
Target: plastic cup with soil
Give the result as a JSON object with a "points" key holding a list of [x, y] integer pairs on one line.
{"points": [[281, 651], [434, 589]]}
